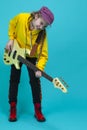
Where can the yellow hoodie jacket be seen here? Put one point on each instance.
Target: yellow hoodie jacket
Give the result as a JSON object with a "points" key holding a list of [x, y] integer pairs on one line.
{"points": [[18, 29]]}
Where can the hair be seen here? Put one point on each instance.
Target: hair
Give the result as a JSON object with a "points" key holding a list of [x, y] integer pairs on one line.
{"points": [[41, 35], [34, 13]]}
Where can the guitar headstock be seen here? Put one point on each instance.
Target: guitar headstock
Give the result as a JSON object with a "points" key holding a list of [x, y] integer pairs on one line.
{"points": [[60, 84]]}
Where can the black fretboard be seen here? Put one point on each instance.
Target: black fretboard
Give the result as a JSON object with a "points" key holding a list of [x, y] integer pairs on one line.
{"points": [[34, 68]]}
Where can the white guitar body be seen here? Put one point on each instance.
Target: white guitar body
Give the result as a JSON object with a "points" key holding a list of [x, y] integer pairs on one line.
{"points": [[11, 57]]}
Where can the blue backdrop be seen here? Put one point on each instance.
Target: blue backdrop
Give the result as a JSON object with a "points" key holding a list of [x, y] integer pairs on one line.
{"points": [[67, 58]]}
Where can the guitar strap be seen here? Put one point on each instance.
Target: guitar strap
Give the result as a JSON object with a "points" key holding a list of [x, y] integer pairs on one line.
{"points": [[40, 39]]}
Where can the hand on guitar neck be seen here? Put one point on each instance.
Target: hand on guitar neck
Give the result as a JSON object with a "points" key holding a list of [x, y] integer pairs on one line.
{"points": [[38, 74]]}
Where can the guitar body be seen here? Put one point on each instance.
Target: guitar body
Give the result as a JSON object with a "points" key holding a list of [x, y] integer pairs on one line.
{"points": [[11, 57]]}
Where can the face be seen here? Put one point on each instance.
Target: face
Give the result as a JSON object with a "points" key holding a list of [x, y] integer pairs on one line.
{"points": [[39, 23]]}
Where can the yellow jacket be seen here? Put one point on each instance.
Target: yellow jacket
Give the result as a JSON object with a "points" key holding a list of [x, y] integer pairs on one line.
{"points": [[18, 29]]}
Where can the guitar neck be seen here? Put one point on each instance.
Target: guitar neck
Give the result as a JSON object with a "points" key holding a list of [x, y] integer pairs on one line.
{"points": [[33, 67], [47, 76]]}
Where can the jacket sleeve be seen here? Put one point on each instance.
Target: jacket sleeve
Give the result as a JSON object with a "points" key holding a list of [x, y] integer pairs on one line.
{"points": [[12, 27], [43, 56]]}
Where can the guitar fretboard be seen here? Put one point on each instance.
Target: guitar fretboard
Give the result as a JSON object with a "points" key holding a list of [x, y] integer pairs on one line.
{"points": [[33, 67]]}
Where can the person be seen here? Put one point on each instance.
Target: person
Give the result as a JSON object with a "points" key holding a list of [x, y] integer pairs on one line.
{"points": [[29, 30]]}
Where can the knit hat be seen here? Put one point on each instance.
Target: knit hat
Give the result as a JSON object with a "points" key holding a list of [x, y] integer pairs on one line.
{"points": [[47, 15]]}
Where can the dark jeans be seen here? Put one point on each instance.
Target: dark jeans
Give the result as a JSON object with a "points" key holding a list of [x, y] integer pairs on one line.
{"points": [[15, 79]]}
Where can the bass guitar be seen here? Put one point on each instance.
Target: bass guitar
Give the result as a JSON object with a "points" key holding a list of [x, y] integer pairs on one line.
{"points": [[17, 55]]}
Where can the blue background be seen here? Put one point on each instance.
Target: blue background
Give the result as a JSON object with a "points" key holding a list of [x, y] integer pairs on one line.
{"points": [[67, 58]]}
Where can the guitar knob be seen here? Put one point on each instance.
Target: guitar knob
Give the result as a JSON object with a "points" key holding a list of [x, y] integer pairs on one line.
{"points": [[60, 86], [57, 83], [55, 80]]}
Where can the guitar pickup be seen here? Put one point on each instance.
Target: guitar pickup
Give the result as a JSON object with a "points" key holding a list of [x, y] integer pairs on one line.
{"points": [[14, 54]]}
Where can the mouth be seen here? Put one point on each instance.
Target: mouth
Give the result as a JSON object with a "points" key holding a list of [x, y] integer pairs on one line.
{"points": [[37, 28]]}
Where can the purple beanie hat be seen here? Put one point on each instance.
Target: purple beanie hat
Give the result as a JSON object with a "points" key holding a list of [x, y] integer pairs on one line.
{"points": [[47, 15]]}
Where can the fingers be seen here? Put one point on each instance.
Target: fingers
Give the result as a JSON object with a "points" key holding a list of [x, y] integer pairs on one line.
{"points": [[38, 74], [9, 46]]}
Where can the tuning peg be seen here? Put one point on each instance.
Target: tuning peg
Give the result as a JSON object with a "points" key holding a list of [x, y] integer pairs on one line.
{"points": [[63, 81]]}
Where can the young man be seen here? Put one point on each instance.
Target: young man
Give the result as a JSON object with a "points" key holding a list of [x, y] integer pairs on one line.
{"points": [[29, 31]]}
